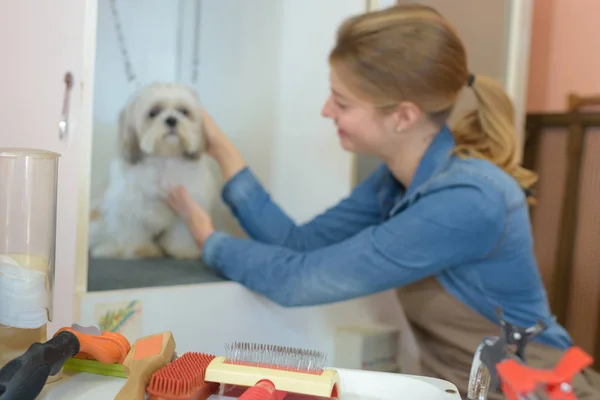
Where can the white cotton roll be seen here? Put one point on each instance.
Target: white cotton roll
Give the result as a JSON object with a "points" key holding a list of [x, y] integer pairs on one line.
{"points": [[23, 295]]}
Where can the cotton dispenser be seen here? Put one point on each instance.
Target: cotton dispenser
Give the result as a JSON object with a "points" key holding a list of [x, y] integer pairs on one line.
{"points": [[28, 190]]}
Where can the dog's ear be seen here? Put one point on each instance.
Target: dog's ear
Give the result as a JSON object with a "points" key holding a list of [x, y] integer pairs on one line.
{"points": [[129, 146], [194, 156], [193, 92]]}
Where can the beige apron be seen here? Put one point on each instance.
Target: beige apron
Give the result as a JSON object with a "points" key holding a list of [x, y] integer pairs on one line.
{"points": [[448, 333]]}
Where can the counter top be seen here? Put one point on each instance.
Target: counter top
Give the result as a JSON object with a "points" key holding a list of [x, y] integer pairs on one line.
{"points": [[363, 385]]}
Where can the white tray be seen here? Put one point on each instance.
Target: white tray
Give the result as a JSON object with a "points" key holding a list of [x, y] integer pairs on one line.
{"points": [[363, 385]]}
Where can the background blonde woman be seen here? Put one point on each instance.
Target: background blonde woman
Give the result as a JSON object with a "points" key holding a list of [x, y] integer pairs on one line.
{"points": [[444, 220]]}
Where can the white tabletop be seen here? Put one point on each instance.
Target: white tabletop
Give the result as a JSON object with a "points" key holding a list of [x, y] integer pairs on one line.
{"points": [[363, 385]]}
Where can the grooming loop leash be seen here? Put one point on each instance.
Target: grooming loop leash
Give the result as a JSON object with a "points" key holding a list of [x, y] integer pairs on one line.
{"points": [[131, 77]]}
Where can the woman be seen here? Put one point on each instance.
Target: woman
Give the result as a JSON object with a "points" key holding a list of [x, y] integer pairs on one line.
{"points": [[444, 219]]}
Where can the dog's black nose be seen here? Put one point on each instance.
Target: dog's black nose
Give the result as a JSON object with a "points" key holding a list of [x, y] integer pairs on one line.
{"points": [[171, 122]]}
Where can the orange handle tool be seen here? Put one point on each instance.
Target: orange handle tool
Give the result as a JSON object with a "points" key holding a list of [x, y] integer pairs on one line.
{"points": [[107, 348]]}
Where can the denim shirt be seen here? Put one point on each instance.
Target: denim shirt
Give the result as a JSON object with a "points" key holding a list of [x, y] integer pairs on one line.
{"points": [[464, 221]]}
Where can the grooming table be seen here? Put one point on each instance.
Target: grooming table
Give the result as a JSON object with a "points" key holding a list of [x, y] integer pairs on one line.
{"points": [[119, 274], [356, 385]]}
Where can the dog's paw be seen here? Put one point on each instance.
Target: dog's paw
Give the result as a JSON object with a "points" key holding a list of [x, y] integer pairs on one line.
{"points": [[147, 250], [178, 243], [106, 251], [185, 254], [143, 250], [180, 250]]}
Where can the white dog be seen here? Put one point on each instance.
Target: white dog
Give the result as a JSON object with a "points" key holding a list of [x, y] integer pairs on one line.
{"points": [[162, 144]]}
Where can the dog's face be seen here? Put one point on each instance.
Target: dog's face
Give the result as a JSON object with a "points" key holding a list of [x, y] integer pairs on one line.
{"points": [[162, 120]]}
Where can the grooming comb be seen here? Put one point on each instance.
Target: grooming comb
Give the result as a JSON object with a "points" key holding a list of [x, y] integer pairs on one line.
{"points": [[148, 355], [278, 369], [183, 379]]}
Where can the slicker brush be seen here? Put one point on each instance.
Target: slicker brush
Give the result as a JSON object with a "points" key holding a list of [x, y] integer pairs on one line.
{"points": [[274, 370]]}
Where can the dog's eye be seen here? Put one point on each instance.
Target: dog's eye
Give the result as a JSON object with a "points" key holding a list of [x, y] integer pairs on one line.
{"points": [[154, 112], [184, 111]]}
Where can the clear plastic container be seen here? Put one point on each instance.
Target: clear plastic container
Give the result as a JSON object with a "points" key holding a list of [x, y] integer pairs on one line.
{"points": [[28, 191]]}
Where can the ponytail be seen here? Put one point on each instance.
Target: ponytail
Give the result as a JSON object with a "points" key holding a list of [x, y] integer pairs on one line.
{"points": [[488, 132]]}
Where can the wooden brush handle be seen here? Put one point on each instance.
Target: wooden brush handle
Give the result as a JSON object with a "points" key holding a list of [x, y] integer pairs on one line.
{"points": [[148, 355], [133, 389]]}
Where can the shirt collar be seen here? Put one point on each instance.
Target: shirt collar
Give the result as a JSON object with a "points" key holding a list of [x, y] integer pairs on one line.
{"points": [[435, 157]]}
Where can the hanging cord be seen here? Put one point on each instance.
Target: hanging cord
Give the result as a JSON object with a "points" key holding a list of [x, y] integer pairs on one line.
{"points": [[131, 77], [196, 59]]}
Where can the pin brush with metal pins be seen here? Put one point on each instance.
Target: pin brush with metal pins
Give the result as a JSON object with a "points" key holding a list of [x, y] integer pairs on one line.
{"points": [[276, 357], [267, 369]]}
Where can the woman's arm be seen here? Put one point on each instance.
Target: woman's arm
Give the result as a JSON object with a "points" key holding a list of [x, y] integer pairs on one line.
{"points": [[264, 221], [443, 229]]}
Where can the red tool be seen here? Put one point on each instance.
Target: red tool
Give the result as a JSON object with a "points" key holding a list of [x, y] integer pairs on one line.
{"points": [[263, 390], [520, 381]]}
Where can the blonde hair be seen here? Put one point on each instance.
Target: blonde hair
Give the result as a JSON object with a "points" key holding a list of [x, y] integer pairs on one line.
{"points": [[409, 52]]}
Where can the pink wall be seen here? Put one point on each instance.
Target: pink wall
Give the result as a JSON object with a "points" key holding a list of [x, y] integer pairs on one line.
{"points": [[565, 58], [565, 52]]}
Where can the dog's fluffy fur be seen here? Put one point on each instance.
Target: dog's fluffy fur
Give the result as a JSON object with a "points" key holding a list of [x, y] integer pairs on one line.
{"points": [[162, 144]]}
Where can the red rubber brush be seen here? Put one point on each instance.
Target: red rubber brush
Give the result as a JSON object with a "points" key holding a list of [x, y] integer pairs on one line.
{"points": [[183, 379]]}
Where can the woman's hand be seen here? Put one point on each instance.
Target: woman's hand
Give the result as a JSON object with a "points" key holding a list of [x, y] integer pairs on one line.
{"points": [[220, 147], [216, 139], [197, 220]]}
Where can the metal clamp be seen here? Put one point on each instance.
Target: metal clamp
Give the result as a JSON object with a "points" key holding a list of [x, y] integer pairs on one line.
{"points": [[510, 344]]}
